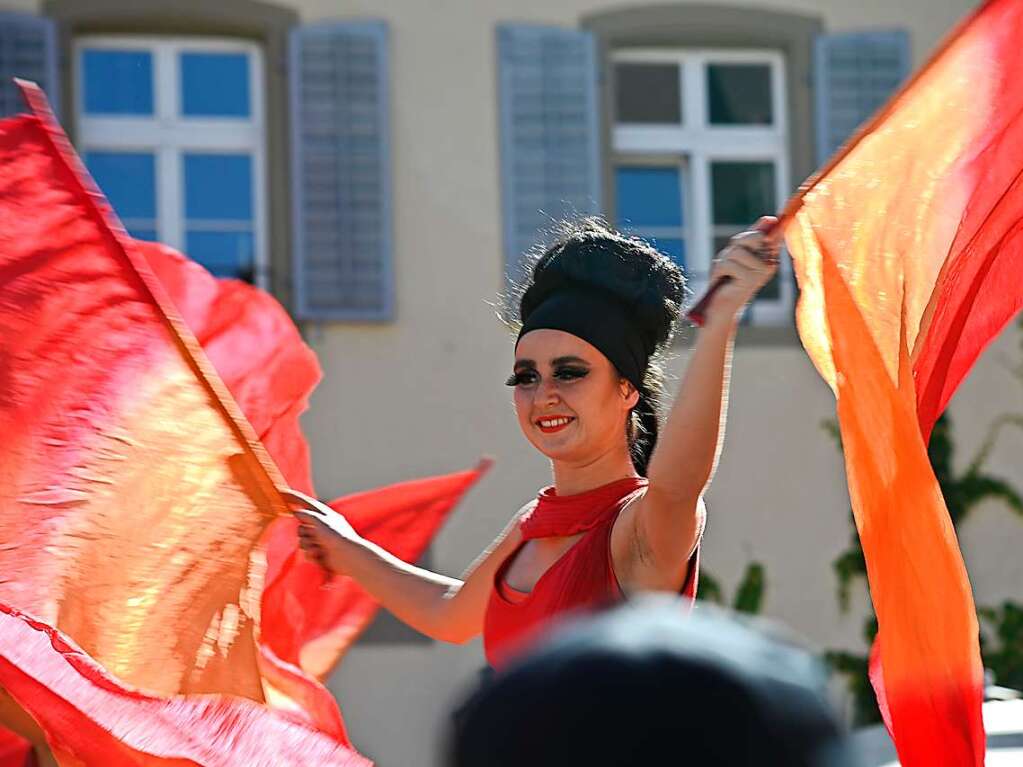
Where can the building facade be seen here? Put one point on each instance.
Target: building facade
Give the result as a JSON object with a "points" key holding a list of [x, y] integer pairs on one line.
{"points": [[382, 167]]}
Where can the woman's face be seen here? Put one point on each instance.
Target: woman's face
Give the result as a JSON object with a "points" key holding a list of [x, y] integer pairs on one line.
{"points": [[559, 376]]}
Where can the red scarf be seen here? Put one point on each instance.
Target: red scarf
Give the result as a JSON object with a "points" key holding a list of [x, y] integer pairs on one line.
{"points": [[557, 516]]}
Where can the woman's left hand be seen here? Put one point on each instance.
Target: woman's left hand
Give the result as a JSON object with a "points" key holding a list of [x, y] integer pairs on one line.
{"points": [[750, 260], [321, 530]]}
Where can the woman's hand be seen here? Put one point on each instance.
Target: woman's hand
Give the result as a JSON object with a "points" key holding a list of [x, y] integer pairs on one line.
{"points": [[750, 260], [322, 532]]}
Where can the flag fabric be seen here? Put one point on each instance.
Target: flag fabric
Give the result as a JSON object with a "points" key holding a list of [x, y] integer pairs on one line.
{"points": [[255, 348], [15, 751], [91, 718], [908, 251], [91, 320], [133, 493], [258, 352]]}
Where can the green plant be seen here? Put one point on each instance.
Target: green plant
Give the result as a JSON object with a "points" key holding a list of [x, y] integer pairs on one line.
{"points": [[749, 595], [855, 669], [1004, 658]]}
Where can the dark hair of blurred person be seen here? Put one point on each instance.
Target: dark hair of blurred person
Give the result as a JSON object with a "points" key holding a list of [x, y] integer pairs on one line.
{"points": [[645, 684]]}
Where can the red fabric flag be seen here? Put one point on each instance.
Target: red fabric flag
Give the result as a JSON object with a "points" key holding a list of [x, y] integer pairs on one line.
{"points": [[908, 252], [259, 353], [255, 348], [310, 623], [132, 490], [15, 751], [91, 718]]}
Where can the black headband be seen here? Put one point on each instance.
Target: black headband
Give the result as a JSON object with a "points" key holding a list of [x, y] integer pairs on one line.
{"points": [[600, 320]]}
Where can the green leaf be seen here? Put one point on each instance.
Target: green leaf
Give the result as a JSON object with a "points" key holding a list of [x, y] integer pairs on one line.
{"points": [[1004, 658], [750, 594], [849, 566], [710, 589], [830, 425]]}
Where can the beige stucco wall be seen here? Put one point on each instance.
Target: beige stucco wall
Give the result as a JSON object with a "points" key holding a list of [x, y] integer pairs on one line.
{"points": [[424, 395]]}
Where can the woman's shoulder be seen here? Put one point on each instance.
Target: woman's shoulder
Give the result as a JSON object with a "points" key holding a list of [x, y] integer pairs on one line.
{"points": [[528, 506], [524, 511], [512, 535]]}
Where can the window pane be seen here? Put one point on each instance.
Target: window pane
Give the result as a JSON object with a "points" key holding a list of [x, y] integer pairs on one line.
{"points": [[117, 82], [225, 254], [128, 179], [218, 187], [673, 247], [742, 192], [648, 93], [218, 212], [649, 196], [215, 84], [740, 94]]}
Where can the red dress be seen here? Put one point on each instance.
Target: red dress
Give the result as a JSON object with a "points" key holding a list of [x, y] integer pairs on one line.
{"points": [[583, 578]]}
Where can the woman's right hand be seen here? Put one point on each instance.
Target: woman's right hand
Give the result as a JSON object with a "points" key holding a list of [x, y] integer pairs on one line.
{"points": [[749, 261], [322, 532]]}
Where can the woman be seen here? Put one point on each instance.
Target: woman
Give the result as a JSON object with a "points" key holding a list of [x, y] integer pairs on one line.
{"points": [[625, 512]]}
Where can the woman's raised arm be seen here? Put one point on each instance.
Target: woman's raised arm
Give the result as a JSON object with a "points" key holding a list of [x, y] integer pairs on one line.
{"points": [[667, 520]]}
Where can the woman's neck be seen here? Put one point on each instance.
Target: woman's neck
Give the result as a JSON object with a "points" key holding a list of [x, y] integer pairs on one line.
{"points": [[574, 478]]}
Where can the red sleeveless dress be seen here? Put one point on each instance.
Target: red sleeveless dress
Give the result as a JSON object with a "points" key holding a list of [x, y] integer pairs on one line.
{"points": [[583, 578]]}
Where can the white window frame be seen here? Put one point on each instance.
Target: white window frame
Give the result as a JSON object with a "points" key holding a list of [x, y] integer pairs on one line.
{"points": [[698, 144], [169, 135]]}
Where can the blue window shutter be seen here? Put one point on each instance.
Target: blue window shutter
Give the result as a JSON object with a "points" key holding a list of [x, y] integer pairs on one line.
{"points": [[855, 75], [550, 132], [341, 172], [28, 49]]}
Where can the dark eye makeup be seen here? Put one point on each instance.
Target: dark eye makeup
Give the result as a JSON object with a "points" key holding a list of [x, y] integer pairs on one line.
{"points": [[520, 379], [530, 376]]}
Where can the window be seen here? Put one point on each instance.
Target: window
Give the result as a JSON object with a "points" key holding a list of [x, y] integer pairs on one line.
{"points": [[650, 199], [700, 150], [172, 131]]}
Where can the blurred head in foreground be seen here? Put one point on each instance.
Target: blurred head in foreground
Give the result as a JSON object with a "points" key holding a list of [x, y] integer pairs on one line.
{"points": [[645, 684]]}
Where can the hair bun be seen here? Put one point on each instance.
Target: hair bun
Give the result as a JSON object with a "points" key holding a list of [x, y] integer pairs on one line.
{"points": [[589, 254]]}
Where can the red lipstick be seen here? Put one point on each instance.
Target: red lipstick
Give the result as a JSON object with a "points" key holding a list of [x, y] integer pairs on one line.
{"points": [[562, 421]]}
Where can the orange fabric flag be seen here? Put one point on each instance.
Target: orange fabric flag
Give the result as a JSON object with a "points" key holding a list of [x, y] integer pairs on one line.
{"points": [[908, 251]]}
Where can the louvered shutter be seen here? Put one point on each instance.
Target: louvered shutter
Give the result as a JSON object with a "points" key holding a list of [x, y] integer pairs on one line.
{"points": [[27, 50], [550, 132], [855, 73], [341, 172]]}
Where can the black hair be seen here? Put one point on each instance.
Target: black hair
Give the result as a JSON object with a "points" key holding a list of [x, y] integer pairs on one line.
{"points": [[588, 253]]}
